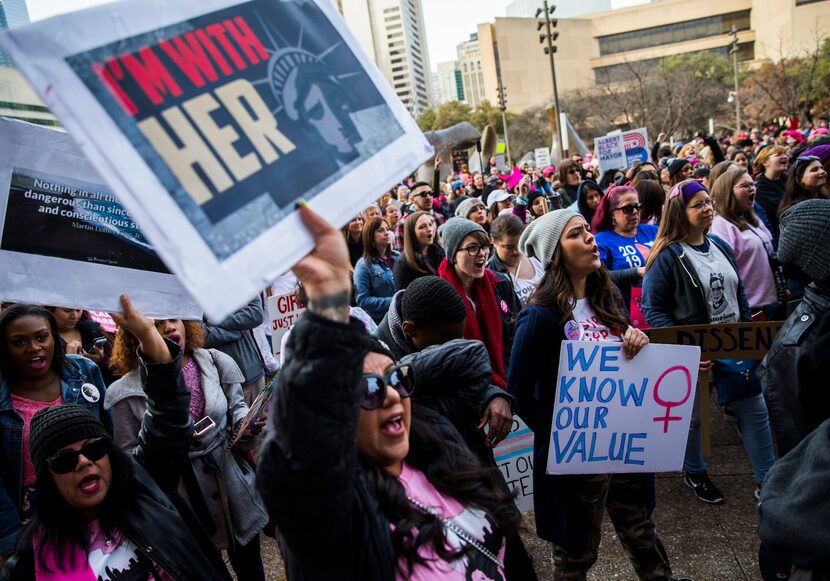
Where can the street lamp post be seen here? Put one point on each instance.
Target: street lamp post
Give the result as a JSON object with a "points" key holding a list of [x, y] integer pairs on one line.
{"points": [[550, 49], [734, 52]]}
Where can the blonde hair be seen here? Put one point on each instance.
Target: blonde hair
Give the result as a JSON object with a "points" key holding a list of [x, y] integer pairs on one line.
{"points": [[764, 156]]}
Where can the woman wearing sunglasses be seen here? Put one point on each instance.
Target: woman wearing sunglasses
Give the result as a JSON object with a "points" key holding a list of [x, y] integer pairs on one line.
{"points": [[624, 243], [692, 279], [34, 375], [357, 487], [575, 300], [569, 176], [104, 514]]}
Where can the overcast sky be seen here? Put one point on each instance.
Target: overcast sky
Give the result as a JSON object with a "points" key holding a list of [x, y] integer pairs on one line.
{"points": [[448, 22]]}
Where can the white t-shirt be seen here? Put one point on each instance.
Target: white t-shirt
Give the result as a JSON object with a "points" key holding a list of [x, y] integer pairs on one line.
{"points": [[525, 286], [592, 328], [720, 283]]}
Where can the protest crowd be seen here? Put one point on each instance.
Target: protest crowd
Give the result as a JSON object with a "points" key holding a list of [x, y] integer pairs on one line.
{"points": [[432, 320]]}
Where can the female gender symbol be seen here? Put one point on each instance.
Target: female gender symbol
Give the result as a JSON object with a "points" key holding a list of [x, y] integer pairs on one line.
{"points": [[671, 404]]}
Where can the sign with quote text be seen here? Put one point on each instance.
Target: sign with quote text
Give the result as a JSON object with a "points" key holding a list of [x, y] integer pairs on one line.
{"points": [[210, 119], [612, 414], [65, 240], [514, 457]]}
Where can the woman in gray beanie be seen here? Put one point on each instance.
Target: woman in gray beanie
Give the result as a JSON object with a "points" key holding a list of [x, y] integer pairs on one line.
{"points": [[575, 300], [491, 303]]}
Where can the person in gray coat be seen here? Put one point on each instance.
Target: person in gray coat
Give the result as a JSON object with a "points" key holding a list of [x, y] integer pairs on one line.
{"points": [[235, 337], [219, 486]]}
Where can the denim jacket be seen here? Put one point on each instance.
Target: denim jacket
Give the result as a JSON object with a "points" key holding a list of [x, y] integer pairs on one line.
{"points": [[77, 370], [374, 286]]}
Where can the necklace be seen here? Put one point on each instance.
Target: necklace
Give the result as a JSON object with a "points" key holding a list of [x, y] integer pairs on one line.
{"points": [[460, 532]]}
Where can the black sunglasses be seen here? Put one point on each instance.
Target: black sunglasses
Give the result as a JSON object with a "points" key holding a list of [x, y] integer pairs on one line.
{"points": [[629, 209], [429, 193], [401, 378], [66, 461]]}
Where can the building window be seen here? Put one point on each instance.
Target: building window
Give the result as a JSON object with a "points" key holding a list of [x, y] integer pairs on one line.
{"points": [[673, 33]]}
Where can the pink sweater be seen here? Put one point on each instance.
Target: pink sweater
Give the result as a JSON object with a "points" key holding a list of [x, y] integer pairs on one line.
{"points": [[752, 248]]}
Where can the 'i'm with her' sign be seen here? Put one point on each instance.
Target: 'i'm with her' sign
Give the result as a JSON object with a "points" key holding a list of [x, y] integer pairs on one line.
{"points": [[212, 118], [614, 414]]}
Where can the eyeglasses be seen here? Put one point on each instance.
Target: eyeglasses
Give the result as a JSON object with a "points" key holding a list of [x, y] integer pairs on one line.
{"points": [[746, 186], [400, 378], [702, 204], [628, 209], [66, 461], [474, 249], [573, 170], [429, 193]]}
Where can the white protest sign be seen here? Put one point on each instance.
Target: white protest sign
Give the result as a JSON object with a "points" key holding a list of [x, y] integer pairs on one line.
{"points": [[542, 155], [636, 146], [514, 457], [210, 119], [610, 152], [64, 238], [614, 414], [283, 313]]}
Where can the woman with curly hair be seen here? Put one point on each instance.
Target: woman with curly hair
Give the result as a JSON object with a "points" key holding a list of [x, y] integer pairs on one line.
{"points": [[219, 483]]}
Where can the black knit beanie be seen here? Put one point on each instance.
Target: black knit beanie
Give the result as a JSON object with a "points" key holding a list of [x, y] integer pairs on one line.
{"points": [[58, 426], [430, 300], [676, 165]]}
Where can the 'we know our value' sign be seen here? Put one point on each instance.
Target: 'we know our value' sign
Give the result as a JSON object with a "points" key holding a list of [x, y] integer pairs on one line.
{"points": [[614, 414]]}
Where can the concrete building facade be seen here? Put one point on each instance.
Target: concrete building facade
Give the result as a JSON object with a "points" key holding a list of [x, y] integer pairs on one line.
{"points": [[564, 9], [12, 13], [447, 83], [19, 100], [469, 65], [596, 48], [393, 35]]}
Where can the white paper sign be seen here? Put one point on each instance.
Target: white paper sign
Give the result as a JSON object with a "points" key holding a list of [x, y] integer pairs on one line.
{"points": [[514, 457], [542, 155], [610, 152], [212, 118], [64, 238], [283, 314], [636, 146], [614, 414]]}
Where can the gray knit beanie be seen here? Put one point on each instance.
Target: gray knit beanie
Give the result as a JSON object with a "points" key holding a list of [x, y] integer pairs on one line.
{"points": [[805, 238], [454, 231], [541, 237], [466, 207]]}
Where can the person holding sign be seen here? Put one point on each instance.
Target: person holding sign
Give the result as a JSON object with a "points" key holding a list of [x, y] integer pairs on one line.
{"points": [[357, 486], [35, 375], [575, 300], [692, 278]]}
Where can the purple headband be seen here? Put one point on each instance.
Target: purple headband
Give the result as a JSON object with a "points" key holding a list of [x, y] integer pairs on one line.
{"points": [[688, 189]]}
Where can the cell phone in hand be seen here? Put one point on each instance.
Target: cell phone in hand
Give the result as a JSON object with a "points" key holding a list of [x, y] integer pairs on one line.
{"points": [[203, 426], [99, 343]]}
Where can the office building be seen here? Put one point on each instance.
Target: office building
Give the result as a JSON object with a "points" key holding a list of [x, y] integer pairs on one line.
{"points": [[598, 47], [19, 100], [12, 13], [392, 33], [447, 84], [564, 8], [469, 65]]}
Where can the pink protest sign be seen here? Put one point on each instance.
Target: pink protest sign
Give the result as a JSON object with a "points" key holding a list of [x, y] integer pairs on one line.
{"points": [[614, 414]]}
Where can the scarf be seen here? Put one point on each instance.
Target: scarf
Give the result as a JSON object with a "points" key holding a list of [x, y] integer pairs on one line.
{"points": [[483, 323]]}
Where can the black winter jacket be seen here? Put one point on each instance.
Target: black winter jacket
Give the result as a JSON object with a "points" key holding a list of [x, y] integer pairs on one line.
{"points": [[794, 372], [453, 379], [154, 524], [309, 475]]}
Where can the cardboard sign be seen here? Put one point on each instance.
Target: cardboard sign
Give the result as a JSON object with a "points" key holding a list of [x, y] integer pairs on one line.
{"points": [[64, 238], [212, 118], [614, 414], [636, 146], [610, 152], [283, 313], [723, 341], [514, 457]]}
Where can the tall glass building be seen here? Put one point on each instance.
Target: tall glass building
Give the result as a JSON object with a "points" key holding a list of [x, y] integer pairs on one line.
{"points": [[12, 13]]}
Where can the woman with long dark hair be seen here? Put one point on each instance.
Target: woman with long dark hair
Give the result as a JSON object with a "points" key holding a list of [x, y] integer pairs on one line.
{"points": [[507, 259], [34, 375], [692, 278], [358, 488], [805, 181], [576, 300], [652, 197], [421, 253], [353, 233], [218, 481], [374, 282], [102, 513]]}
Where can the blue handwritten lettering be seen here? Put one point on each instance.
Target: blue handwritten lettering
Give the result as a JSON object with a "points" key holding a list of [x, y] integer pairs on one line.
{"points": [[583, 423], [631, 392], [560, 423], [560, 452], [579, 358], [614, 454], [632, 449], [564, 386], [609, 382], [591, 456], [607, 357], [586, 392], [599, 418], [578, 448]]}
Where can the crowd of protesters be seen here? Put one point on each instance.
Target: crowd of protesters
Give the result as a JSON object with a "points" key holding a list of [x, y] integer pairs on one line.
{"points": [[432, 318]]}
